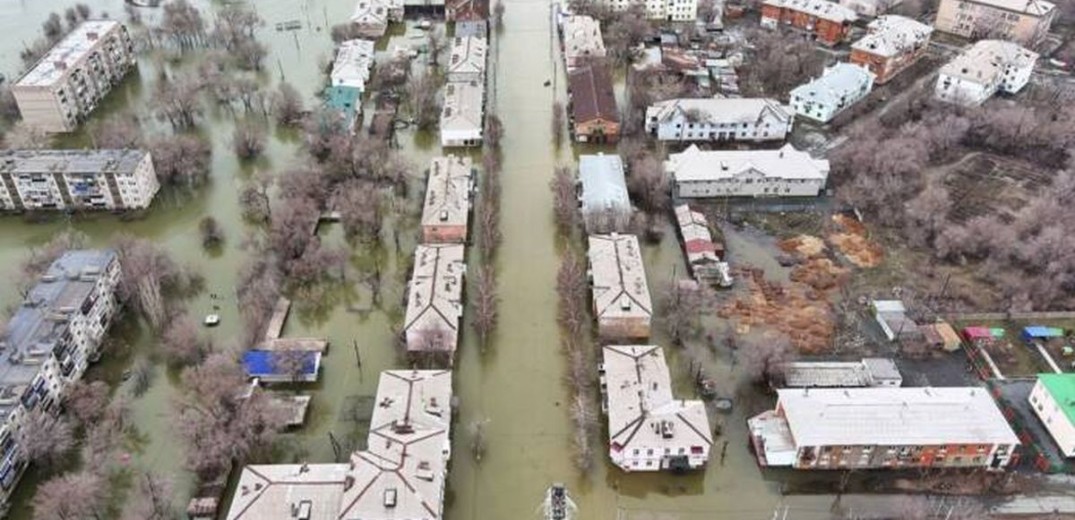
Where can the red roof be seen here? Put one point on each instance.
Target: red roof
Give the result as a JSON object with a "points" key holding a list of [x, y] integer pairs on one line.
{"points": [[700, 246]]}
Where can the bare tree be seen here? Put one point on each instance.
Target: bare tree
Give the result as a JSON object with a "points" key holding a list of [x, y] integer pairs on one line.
{"points": [[649, 184], [148, 274], [484, 303], [211, 232], [422, 100], [248, 139], [494, 131], [627, 29], [585, 420], [9, 107], [257, 291], [362, 209], [557, 122], [565, 200], [182, 23], [571, 288], [71, 496], [287, 105], [291, 362], [181, 160], [118, 132], [52, 27], [436, 44], [181, 343], [178, 100], [45, 439], [251, 54], [86, 401], [235, 25], [782, 60], [152, 499], [254, 197], [763, 357], [105, 435], [684, 305], [22, 136]]}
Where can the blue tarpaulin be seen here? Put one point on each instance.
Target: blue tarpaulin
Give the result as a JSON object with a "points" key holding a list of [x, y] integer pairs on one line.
{"points": [[1039, 332], [264, 364]]}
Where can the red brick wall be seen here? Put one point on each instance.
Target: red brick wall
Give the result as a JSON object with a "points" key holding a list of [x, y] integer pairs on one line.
{"points": [[828, 32]]}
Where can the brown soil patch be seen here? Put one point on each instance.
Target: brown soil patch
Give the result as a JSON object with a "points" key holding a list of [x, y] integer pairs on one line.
{"points": [[821, 274], [797, 310], [805, 246], [852, 242]]}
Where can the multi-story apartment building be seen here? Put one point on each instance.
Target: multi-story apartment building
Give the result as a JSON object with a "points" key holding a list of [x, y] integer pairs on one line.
{"points": [[648, 428], [987, 67], [448, 200], [1022, 21], [49, 342], [891, 44], [621, 299], [581, 40], [76, 180], [68, 83], [435, 301], [664, 10], [838, 87], [786, 172], [828, 21], [1053, 401], [719, 119], [884, 428], [401, 473], [869, 8]]}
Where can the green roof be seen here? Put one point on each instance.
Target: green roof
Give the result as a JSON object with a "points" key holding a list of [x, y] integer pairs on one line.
{"points": [[1062, 388]]}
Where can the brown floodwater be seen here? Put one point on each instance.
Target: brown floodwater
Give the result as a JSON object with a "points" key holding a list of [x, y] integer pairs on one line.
{"points": [[517, 386]]}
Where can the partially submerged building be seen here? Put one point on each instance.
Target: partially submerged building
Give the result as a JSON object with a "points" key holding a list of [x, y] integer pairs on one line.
{"points": [[1025, 22], [70, 80], [649, 429], [663, 10], [467, 61], [704, 256], [621, 298], [786, 172], [1053, 401], [892, 43], [446, 211], [435, 300], [719, 119], [838, 87], [48, 344], [985, 68], [884, 428], [462, 118], [592, 105], [842, 374], [371, 17], [603, 192], [466, 11], [76, 180], [582, 41], [351, 71], [401, 474], [829, 22]]}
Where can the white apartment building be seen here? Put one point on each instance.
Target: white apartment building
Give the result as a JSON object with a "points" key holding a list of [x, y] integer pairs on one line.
{"points": [[435, 299], [582, 41], [1053, 401], [664, 10], [1025, 22], [719, 119], [621, 299], [68, 83], [649, 429], [76, 180], [446, 211], [49, 342], [839, 87], [462, 117], [987, 67], [401, 474], [468, 60], [786, 172], [353, 65]]}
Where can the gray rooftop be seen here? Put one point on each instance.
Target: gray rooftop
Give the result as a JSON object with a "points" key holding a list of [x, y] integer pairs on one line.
{"points": [[620, 289], [67, 53], [603, 183], [30, 162], [838, 82]]}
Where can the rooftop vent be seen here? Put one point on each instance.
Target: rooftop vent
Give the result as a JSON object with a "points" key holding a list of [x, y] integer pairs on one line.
{"points": [[302, 510], [390, 498]]}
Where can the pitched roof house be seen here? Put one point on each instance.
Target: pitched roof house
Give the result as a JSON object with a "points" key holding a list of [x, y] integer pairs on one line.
{"points": [[621, 299], [446, 210], [594, 116], [434, 299]]}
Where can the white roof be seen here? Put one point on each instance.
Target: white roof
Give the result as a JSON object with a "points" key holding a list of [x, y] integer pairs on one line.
{"points": [[889, 416], [639, 391], [68, 52], [603, 183], [890, 35], [269, 491], [1031, 7], [372, 12], [694, 226], [986, 60], [888, 306], [714, 110], [836, 83], [461, 116], [468, 56], [582, 38], [619, 278], [694, 164], [820, 8], [435, 296], [447, 192], [832, 374], [354, 60]]}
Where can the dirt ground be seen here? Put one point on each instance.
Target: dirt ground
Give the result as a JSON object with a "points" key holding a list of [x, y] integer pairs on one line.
{"points": [[798, 311], [851, 240]]}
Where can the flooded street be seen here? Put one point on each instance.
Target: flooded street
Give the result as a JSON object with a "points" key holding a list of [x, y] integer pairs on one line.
{"points": [[517, 385]]}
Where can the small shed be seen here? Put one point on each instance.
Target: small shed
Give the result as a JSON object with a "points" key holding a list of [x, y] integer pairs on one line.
{"points": [[982, 333], [941, 335], [282, 366], [891, 315], [1034, 332]]}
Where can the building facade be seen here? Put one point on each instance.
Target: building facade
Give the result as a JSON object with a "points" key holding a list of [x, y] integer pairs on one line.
{"points": [[621, 299], [401, 473], [842, 374], [435, 300], [67, 84], [446, 211], [786, 172], [592, 105], [48, 344], [76, 180], [649, 429], [719, 119], [987, 67], [884, 428], [839, 87], [581, 40], [663, 10], [828, 21], [466, 11], [870, 8], [1025, 22], [892, 44], [1053, 401]]}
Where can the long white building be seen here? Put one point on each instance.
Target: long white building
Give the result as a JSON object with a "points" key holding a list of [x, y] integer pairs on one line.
{"points": [[987, 67], [353, 64], [468, 58], [401, 474], [49, 343], [719, 119], [663, 10], [1053, 401], [648, 428], [462, 117], [786, 172], [76, 180], [68, 83], [839, 87]]}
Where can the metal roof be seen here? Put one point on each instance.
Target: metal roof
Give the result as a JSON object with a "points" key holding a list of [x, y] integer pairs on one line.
{"points": [[1062, 388], [68, 52], [603, 183], [986, 60], [719, 110], [620, 289], [353, 65], [693, 164], [121, 162], [838, 82], [434, 301], [890, 35], [448, 191]]}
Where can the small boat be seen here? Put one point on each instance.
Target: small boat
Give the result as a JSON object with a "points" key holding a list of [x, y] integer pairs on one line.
{"points": [[212, 320], [558, 505]]}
